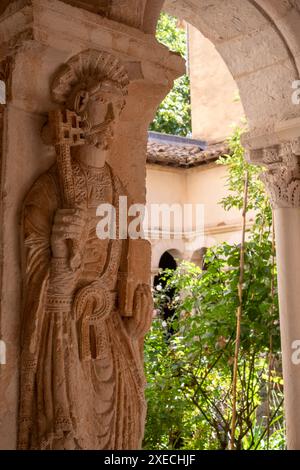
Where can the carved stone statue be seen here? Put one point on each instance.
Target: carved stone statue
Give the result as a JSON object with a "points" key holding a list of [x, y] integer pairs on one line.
{"points": [[85, 313]]}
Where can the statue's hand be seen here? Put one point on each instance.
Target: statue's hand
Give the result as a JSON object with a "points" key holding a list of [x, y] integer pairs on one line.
{"points": [[138, 325], [69, 224]]}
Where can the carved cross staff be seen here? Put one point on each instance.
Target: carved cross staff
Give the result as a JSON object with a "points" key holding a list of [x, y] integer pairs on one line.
{"points": [[66, 130]]}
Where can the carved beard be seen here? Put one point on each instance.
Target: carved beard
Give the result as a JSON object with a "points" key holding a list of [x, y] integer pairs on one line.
{"points": [[99, 136]]}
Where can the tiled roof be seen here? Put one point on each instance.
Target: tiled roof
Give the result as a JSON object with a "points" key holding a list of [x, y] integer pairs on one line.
{"points": [[182, 152]]}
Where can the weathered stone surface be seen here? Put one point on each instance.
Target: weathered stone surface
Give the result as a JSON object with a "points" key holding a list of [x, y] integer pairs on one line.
{"points": [[259, 41], [214, 92], [40, 37], [221, 20], [86, 308], [282, 180], [134, 13]]}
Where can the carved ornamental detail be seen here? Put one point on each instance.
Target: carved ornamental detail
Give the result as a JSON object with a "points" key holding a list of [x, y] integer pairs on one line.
{"points": [[87, 306], [282, 174]]}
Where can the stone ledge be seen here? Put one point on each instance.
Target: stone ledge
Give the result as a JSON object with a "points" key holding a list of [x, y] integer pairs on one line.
{"points": [[48, 22]]}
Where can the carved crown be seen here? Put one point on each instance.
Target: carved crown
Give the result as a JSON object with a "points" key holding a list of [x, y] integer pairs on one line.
{"points": [[85, 72]]}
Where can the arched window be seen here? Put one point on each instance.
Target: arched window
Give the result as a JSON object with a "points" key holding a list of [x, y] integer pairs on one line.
{"points": [[166, 262]]}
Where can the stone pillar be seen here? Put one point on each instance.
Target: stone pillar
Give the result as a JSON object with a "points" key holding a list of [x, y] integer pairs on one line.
{"points": [[282, 180], [37, 38]]}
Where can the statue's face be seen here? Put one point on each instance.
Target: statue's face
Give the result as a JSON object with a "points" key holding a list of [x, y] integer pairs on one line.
{"points": [[101, 115]]}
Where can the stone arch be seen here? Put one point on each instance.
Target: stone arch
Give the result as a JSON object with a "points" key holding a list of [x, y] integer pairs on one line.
{"points": [[198, 255], [174, 247], [259, 42], [176, 254], [168, 260]]}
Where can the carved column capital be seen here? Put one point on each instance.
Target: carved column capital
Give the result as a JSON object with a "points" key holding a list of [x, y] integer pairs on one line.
{"points": [[282, 172]]}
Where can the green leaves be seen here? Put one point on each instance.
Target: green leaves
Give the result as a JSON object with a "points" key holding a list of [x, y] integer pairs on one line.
{"points": [[190, 371], [174, 113], [171, 34]]}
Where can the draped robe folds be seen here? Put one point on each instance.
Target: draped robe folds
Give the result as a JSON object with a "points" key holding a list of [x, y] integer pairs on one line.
{"points": [[80, 388]]}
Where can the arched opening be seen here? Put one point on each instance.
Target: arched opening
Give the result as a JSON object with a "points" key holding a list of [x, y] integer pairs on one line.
{"points": [[198, 258], [167, 261], [259, 45], [173, 116]]}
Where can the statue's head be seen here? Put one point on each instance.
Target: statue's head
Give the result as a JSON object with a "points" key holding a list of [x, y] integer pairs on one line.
{"points": [[94, 85]]}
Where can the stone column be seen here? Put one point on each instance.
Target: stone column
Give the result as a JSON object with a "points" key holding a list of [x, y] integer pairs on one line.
{"points": [[282, 180], [37, 38]]}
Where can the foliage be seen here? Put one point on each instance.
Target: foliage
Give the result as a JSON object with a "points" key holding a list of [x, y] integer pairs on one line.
{"points": [[174, 113], [190, 371], [172, 36]]}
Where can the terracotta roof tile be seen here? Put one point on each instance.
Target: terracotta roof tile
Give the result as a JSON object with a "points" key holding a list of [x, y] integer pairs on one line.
{"points": [[164, 152]]}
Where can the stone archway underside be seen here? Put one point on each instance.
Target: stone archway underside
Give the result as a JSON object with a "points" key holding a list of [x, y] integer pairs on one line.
{"points": [[259, 42]]}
